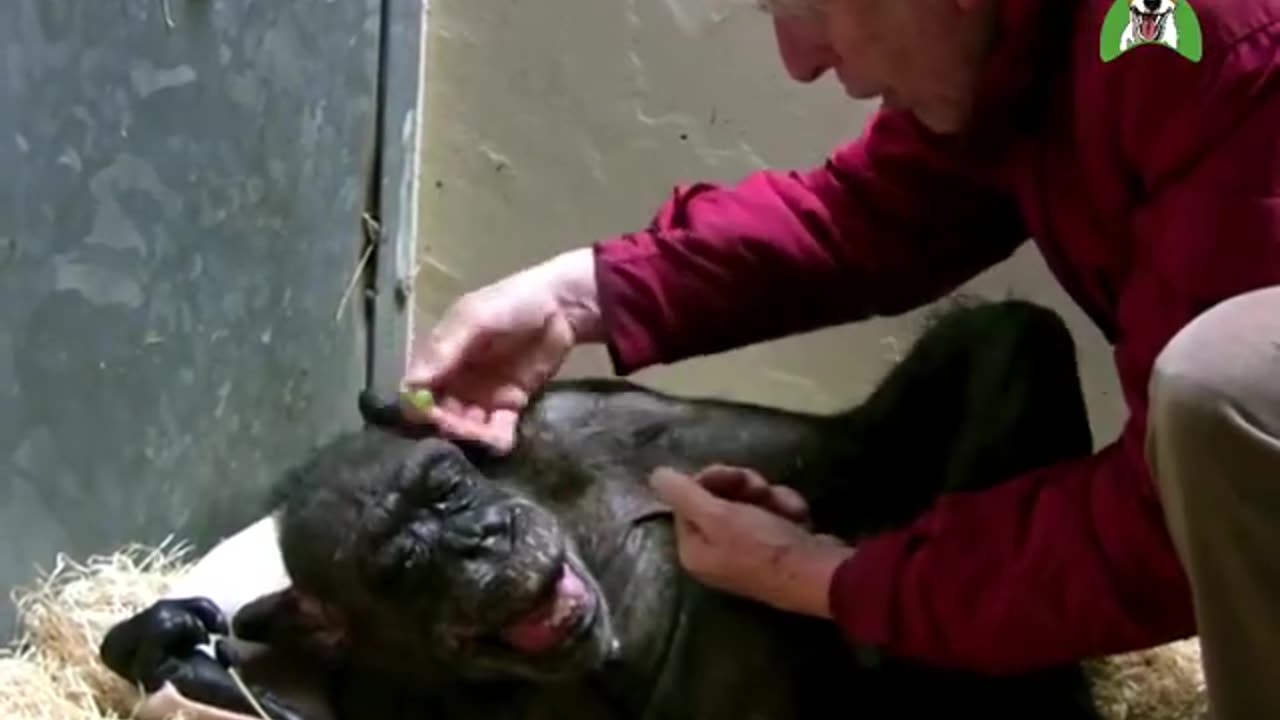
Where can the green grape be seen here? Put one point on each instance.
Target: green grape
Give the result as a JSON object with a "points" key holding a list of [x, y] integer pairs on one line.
{"points": [[421, 398]]}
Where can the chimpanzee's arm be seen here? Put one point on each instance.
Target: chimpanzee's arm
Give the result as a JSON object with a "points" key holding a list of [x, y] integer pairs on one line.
{"points": [[236, 571], [179, 641]]}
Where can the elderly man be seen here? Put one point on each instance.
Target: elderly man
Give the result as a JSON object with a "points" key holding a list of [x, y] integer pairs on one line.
{"points": [[1149, 178]]}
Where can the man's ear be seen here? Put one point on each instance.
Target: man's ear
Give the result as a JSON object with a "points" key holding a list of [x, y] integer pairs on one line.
{"points": [[290, 619]]}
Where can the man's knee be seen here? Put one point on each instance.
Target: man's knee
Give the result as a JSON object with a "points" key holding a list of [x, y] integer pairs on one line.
{"points": [[1223, 366], [1216, 386]]}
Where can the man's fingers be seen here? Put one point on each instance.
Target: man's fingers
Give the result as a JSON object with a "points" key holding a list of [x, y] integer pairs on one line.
{"points": [[436, 363], [830, 540], [508, 397], [688, 534], [447, 346], [789, 503], [732, 483], [692, 545], [746, 485], [501, 426], [496, 429], [687, 499], [488, 386]]}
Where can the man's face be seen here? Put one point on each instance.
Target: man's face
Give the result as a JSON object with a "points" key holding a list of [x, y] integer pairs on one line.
{"points": [[919, 55]]}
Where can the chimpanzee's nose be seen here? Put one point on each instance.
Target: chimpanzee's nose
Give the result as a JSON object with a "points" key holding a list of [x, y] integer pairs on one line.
{"points": [[1152, 5], [487, 527]]}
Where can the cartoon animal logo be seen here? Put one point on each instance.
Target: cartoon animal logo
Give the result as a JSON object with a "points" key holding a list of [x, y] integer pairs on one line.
{"points": [[1165, 24]]}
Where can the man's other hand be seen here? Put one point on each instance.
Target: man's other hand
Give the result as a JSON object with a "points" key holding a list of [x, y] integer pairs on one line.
{"points": [[749, 548]]}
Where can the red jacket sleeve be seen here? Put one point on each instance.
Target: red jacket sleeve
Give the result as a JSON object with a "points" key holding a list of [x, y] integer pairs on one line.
{"points": [[891, 221], [1074, 560]]}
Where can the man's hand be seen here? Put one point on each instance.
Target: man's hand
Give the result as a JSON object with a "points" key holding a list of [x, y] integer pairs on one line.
{"points": [[747, 486], [739, 534], [498, 345]]}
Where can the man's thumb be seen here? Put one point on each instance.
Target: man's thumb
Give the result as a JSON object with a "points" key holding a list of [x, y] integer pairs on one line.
{"points": [[440, 355], [687, 499]]}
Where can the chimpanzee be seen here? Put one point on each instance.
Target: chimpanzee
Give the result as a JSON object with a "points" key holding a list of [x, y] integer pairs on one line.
{"points": [[433, 579]]}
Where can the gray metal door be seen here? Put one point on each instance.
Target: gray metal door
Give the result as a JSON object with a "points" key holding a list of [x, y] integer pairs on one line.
{"points": [[182, 191]]}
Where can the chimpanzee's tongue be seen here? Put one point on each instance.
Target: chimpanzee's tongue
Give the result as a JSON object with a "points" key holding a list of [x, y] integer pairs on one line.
{"points": [[1147, 27], [545, 626]]}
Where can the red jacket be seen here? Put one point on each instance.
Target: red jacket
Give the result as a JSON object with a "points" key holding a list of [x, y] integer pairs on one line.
{"points": [[1151, 185]]}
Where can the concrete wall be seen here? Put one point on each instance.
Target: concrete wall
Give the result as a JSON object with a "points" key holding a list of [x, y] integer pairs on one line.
{"points": [[552, 123], [180, 219]]}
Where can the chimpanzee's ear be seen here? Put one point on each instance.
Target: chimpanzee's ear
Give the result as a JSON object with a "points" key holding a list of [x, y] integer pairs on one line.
{"points": [[378, 411], [388, 414], [289, 619]]}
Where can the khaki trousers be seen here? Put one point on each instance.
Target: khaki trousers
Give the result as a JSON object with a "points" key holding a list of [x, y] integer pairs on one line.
{"points": [[1214, 448]]}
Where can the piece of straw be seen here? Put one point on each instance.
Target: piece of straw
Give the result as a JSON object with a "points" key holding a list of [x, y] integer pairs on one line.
{"points": [[52, 671]]}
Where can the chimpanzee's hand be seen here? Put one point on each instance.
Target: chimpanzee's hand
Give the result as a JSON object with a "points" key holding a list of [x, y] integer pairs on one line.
{"points": [[144, 648], [161, 645], [207, 680]]}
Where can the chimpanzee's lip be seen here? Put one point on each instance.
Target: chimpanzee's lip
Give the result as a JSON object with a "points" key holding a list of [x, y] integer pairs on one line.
{"points": [[560, 615]]}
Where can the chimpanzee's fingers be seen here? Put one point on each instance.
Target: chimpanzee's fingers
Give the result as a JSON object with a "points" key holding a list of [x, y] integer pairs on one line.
{"points": [[202, 679], [171, 634], [275, 708], [227, 655], [208, 613]]}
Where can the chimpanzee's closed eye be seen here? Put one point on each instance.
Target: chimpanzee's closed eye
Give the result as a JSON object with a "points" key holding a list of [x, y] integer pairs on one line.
{"points": [[436, 474], [398, 562]]}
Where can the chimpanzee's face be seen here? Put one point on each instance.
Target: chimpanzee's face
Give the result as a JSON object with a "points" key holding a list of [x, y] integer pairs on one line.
{"points": [[432, 565]]}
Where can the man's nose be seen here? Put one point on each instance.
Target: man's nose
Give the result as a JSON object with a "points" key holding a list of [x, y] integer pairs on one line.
{"points": [[803, 46]]}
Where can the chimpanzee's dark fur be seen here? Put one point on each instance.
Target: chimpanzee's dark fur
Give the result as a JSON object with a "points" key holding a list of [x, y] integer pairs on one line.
{"points": [[409, 555]]}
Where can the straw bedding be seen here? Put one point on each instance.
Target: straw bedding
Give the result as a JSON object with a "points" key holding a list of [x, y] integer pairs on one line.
{"points": [[52, 672]]}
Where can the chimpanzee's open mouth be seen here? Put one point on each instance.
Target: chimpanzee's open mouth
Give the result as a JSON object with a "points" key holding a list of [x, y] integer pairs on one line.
{"points": [[562, 613], [1148, 25]]}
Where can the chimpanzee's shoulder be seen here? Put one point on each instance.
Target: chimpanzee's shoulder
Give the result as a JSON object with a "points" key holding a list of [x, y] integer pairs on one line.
{"points": [[581, 407]]}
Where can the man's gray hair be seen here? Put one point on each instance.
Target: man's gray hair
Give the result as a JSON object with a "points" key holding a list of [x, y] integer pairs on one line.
{"points": [[696, 16]]}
